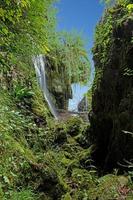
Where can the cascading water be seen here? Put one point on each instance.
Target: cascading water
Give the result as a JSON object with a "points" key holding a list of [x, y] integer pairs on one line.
{"points": [[39, 64]]}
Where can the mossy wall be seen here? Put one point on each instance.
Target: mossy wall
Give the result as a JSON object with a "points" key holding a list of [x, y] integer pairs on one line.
{"points": [[112, 107]]}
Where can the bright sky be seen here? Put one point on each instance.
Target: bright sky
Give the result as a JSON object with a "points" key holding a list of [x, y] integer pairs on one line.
{"points": [[82, 16]]}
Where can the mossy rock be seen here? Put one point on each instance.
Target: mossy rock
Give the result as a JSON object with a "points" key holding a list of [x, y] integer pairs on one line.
{"points": [[83, 178], [60, 137], [74, 126], [108, 188]]}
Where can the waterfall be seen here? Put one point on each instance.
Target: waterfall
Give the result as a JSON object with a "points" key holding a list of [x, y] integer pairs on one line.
{"points": [[39, 64]]}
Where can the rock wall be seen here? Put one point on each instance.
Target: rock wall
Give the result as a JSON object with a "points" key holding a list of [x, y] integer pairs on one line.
{"points": [[112, 101], [58, 84], [83, 104]]}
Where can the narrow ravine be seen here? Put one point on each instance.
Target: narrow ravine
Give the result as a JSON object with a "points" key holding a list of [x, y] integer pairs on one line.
{"points": [[49, 155]]}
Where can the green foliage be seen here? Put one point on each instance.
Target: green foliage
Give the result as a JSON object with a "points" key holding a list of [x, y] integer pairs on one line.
{"points": [[120, 2], [110, 187], [128, 72], [27, 29], [24, 195], [124, 2], [112, 20], [67, 197], [69, 56], [24, 29], [130, 8], [37, 153], [103, 38], [23, 92], [52, 158]]}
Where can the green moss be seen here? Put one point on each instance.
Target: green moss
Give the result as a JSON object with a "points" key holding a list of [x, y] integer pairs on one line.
{"points": [[39, 106], [113, 19], [107, 188], [66, 197], [75, 126], [24, 195], [59, 165], [89, 97]]}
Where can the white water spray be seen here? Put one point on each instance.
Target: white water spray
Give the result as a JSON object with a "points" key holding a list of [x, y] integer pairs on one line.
{"points": [[39, 64]]}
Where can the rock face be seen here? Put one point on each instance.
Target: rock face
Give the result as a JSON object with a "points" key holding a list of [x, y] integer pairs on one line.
{"points": [[112, 100], [58, 85], [83, 104]]}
